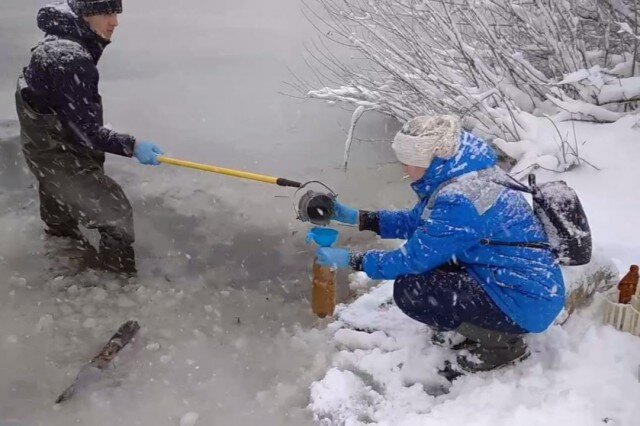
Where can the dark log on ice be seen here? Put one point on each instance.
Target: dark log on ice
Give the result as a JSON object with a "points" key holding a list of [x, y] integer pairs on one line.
{"points": [[90, 372]]}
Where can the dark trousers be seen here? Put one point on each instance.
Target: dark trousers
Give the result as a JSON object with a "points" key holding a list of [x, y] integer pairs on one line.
{"points": [[96, 201], [74, 189], [447, 297]]}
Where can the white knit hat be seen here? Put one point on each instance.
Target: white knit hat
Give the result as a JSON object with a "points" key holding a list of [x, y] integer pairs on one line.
{"points": [[425, 137]]}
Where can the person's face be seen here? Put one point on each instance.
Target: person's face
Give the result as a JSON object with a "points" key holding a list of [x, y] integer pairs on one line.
{"points": [[103, 25], [415, 173]]}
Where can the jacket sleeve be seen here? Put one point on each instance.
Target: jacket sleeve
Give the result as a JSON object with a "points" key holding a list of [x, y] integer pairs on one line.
{"points": [[453, 227], [397, 224], [390, 224], [78, 105]]}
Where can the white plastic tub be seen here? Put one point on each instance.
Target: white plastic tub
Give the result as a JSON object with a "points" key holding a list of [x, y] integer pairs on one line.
{"points": [[622, 317]]}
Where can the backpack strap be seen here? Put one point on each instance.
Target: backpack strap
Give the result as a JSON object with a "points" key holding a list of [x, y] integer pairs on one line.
{"points": [[516, 185], [532, 189], [540, 246]]}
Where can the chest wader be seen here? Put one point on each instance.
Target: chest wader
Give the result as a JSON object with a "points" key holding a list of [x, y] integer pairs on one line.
{"points": [[73, 188]]}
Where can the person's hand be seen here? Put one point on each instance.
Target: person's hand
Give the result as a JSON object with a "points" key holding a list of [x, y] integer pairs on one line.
{"points": [[147, 153], [333, 257], [344, 214]]}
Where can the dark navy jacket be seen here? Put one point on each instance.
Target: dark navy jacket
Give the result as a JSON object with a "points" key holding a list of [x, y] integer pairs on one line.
{"points": [[461, 204], [63, 74]]}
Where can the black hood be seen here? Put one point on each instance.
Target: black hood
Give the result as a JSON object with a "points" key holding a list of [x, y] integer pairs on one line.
{"points": [[59, 20]]}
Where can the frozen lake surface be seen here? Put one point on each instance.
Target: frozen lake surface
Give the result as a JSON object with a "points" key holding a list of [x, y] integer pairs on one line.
{"points": [[223, 289]]}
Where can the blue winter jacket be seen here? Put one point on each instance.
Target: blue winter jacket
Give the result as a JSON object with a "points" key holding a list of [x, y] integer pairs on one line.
{"points": [[461, 204]]}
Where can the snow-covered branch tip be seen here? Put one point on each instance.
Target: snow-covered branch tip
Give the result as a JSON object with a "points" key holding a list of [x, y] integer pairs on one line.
{"points": [[357, 115]]}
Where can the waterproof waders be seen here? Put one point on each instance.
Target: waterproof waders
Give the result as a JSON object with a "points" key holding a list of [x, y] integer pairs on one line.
{"points": [[73, 187]]}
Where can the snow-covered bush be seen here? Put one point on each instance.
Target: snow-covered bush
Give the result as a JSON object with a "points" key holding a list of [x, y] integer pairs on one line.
{"points": [[488, 60]]}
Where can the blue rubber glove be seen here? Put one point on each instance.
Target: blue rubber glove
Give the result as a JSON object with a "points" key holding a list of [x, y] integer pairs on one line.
{"points": [[333, 257], [147, 153], [344, 214]]}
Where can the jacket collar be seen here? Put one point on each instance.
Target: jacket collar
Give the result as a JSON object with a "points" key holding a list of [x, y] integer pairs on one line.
{"points": [[474, 154]]}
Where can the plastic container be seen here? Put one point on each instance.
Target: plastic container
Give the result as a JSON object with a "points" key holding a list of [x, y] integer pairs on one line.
{"points": [[623, 317], [323, 295]]}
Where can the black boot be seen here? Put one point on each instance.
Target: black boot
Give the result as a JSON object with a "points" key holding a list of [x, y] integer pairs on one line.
{"points": [[451, 340], [120, 260], [494, 349], [117, 256], [450, 371], [64, 231], [69, 250]]}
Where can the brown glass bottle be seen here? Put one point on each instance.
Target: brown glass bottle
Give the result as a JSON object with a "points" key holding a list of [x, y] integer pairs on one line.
{"points": [[628, 285], [323, 296]]}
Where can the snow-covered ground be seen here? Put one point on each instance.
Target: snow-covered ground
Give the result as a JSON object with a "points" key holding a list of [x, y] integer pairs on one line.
{"points": [[227, 334], [386, 373]]}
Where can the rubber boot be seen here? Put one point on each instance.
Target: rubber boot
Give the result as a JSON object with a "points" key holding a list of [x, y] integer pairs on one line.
{"points": [[64, 231], [494, 349], [117, 258], [451, 340], [70, 252]]}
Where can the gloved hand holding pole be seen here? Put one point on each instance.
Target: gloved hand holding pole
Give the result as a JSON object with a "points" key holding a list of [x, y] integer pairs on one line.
{"points": [[147, 153]]}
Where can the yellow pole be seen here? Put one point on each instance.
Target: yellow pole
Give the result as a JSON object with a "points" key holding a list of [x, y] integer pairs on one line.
{"points": [[228, 172]]}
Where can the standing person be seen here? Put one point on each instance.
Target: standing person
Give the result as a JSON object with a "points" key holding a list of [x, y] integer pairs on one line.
{"points": [[63, 133], [476, 260]]}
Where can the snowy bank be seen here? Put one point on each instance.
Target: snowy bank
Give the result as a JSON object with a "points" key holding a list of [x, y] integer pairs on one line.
{"points": [[385, 372]]}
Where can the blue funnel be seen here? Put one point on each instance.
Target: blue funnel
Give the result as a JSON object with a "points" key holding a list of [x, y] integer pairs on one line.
{"points": [[324, 237]]}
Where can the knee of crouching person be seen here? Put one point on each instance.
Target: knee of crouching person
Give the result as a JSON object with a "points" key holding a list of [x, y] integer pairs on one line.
{"points": [[403, 294]]}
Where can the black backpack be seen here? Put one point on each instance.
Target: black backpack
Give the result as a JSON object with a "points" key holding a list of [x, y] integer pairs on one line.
{"points": [[558, 208]]}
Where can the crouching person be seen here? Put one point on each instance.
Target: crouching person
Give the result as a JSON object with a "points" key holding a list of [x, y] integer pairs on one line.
{"points": [[475, 260]]}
